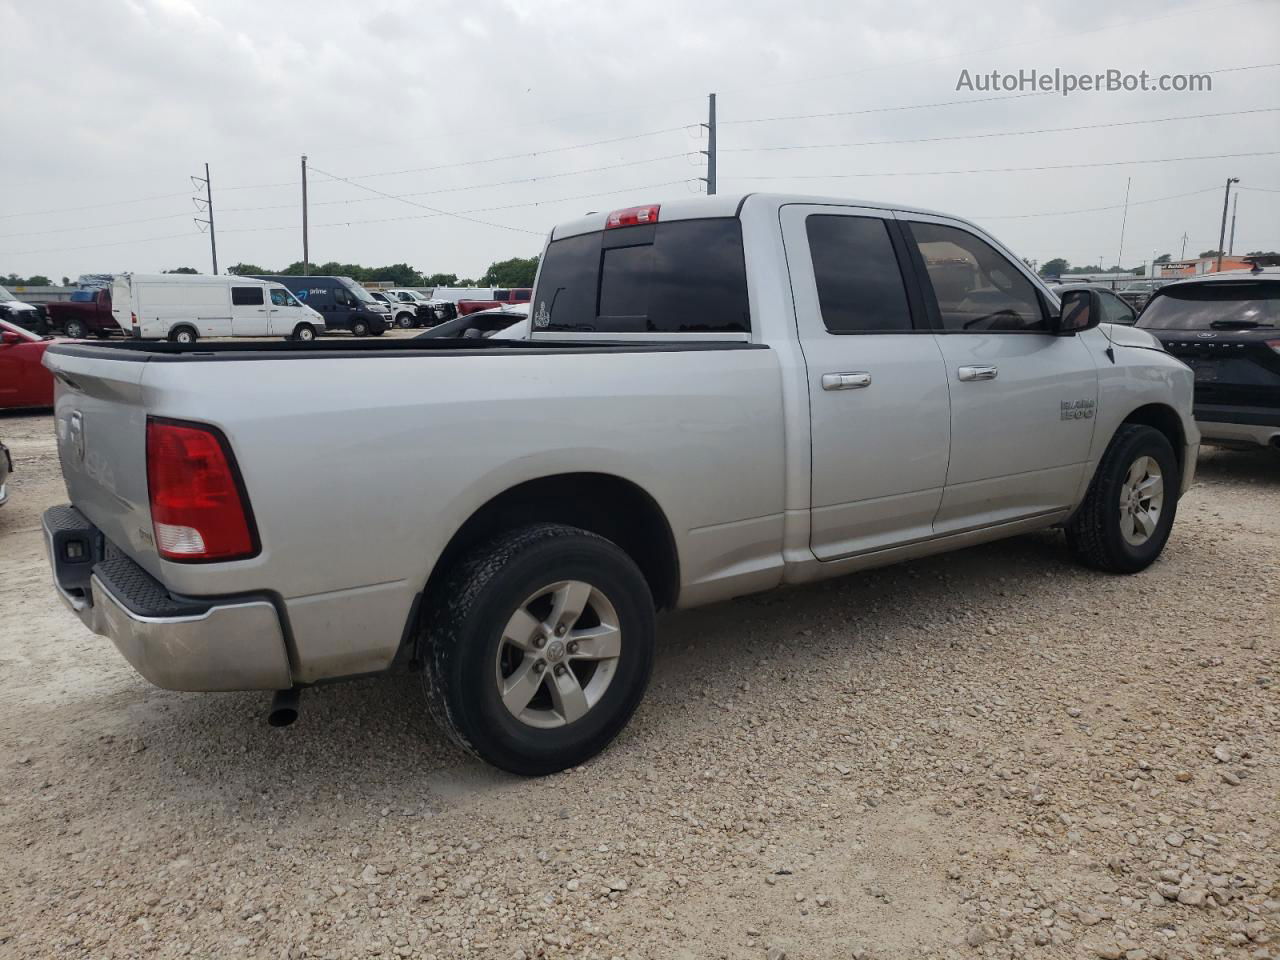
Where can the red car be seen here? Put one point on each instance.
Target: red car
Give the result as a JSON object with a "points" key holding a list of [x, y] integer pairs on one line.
{"points": [[24, 382]]}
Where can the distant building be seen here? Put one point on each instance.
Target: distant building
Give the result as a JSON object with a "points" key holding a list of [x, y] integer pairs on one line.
{"points": [[1200, 266]]}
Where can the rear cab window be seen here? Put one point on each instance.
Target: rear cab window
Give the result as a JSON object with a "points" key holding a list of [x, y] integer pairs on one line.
{"points": [[678, 276]]}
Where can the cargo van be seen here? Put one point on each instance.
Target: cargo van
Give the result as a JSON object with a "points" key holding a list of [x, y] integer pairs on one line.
{"points": [[344, 304], [187, 307]]}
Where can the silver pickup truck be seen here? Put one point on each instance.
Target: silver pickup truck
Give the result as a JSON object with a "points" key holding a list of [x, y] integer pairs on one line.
{"points": [[716, 396]]}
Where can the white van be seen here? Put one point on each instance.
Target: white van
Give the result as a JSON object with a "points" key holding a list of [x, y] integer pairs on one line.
{"points": [[186, 307]]}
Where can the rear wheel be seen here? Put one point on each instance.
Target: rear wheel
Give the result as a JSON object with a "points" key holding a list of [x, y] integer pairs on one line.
{"points": [[185, 335], [1128, 513], [539, 647], [75, 329], [304, 332]]}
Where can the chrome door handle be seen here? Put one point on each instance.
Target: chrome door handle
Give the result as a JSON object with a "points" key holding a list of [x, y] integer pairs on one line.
{"points": [[846, 381], [980, 372]]}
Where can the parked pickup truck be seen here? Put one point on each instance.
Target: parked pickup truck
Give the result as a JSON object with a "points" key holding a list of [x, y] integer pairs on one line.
{"points": [[501, 298], [87, 312], [717, 396]]}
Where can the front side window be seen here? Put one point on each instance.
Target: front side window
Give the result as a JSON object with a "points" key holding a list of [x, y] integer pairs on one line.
{"points": [[976, 288], [683, 276], [1115, 310], [282, 298], [860, 285], [246, 296]]}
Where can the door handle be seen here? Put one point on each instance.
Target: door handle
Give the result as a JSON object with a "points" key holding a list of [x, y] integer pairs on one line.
{"points": [[846, 381], [979, 372]]}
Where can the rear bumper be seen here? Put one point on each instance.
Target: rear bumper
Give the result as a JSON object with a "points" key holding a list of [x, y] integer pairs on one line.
{"points": [[176, 642], [1236, 424]]}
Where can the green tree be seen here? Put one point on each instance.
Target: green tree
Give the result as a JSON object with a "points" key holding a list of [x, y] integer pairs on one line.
{"points": [[66, 281], [401, 274], [1055, 267], [1164, 258], [188, 270], [1210, 253], [248, 270], [516, 272], [440, 280], [39, 280]]}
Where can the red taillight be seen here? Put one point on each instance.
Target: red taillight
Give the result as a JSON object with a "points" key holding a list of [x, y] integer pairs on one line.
{"points": [[1274, 345], [198, 509], [134, 318], [632, 216]]}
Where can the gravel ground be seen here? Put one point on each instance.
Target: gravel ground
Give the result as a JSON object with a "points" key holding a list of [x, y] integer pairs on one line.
{"points": [[990, 754]]}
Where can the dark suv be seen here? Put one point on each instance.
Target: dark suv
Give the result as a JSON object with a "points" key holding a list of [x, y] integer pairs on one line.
{"points": [[1226, 327]]}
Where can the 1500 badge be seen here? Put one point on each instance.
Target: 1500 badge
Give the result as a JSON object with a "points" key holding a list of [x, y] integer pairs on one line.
{"points": [[1077, 409]]}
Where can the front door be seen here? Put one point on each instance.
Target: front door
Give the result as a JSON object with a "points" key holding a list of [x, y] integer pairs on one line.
{"points": [[248, 312], [878, 402], [1022, 398]]}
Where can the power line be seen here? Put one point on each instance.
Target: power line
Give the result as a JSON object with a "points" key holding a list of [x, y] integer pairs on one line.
{"points": [[475, 186], [93, 246], [1057, 166], [95, 226], [1003, 133], [494, 209], [94, 206], [1114, 206], [414, 203], [1054, 38]]}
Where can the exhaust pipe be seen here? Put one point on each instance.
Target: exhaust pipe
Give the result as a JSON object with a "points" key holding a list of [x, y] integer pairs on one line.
{"points": [[284, 707]]}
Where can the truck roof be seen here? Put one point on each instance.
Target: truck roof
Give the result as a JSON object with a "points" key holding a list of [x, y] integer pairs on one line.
{"points": [[729, 205]]}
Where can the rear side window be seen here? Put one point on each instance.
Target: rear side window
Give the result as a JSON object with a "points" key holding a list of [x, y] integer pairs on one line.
{"points": [[860, 286], [246, 296], [684, 276], [82, 296], [1206, 306]]}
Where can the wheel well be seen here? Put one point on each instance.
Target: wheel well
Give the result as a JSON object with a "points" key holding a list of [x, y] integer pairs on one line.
{"points": [[604, 504], [1166, 420]]}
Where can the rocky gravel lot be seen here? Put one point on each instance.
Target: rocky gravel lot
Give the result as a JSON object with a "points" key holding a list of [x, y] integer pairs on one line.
{"points": [[989, 754]]}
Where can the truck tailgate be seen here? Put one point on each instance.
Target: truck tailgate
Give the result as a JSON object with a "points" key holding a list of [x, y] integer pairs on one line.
{"points": [[101, 424]]}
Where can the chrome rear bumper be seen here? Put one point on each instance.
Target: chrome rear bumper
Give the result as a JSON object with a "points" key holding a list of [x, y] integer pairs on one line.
{"points": [[179, 643]]}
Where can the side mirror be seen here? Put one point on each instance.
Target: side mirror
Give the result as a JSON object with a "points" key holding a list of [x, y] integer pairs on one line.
{"points": [[9, 338], [1080, 311]]}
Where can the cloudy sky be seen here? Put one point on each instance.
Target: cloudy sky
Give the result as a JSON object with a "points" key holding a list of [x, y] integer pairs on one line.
{"points": [[513, 114]]}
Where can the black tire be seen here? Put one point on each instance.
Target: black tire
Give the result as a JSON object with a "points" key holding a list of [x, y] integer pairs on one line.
{"points": [[184, 335], [304, 333], [461, 639], [359, 328], [1095, 533], [75, 329], [405, 321]]}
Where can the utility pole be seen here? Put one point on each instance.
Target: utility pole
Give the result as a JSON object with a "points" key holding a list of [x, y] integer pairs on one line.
{"points": [[208, 201], [1222, 232], [1184, 245], [710, 152], [306, 252], [1231, 244]]}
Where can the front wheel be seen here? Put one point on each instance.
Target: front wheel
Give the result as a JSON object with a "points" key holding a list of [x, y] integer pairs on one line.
{"points": [[1127, 515], [75, 329], [405, 321], [538, 648], [359, 328]]}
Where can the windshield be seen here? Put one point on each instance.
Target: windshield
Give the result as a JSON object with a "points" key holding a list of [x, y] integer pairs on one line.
{"points": [[5, 295], [8, 327], [82, 296], [1205, 306], [359, 292]]}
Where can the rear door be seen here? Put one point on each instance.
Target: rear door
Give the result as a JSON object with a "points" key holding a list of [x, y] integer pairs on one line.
{"points": [[249, 317], [1022, 399], [877, 384]]}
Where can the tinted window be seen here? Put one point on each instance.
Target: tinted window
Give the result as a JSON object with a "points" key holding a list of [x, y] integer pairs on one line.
{"points": [[860, 286], [976, 288], [246, 296], [682, 276], [1201, 306], [343, 297], [1115, 310]]}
